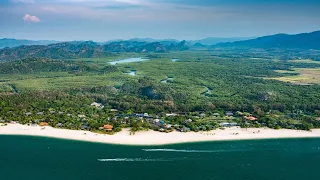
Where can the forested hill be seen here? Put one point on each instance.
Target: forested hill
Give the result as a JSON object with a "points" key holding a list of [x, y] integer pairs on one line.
{"points": [[87, 49], [299, 41], [37, 65]]}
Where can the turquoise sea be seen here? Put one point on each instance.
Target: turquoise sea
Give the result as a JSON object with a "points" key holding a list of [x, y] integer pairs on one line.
{"points": [[38, 158]]}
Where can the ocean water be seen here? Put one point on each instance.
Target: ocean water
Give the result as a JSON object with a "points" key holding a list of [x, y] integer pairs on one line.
{"points": [[38, 158]]}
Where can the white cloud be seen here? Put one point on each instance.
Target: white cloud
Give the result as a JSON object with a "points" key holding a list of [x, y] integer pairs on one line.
{"points": [[23, 1], [30, 18], [129, 1]]}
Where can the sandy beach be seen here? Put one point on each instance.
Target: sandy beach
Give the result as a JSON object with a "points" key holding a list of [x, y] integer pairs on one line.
{"points": [[156, 138]]}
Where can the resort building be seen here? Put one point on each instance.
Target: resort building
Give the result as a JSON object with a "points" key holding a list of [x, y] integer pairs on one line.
{"points": [[250, 118], [229, 113], [108, 127], [44, 124], [97, 105]]}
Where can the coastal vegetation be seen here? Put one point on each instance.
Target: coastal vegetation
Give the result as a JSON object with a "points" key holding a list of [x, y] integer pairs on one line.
{"points": [[183, 89]]}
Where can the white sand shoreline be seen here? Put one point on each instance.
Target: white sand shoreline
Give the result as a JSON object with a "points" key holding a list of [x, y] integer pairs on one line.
{"points": [[157, 138]]}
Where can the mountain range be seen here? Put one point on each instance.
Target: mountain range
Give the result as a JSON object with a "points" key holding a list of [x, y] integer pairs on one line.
{"points": [[299, 41], [90, 49], [86, 49], [216, 40], [5, 42]]}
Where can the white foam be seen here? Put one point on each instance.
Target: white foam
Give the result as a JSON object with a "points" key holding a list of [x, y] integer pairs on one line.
{"points": [[130, 160], [182, 150]]}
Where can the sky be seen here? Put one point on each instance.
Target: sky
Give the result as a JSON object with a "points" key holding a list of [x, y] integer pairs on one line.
{"points": [[102, 20]]}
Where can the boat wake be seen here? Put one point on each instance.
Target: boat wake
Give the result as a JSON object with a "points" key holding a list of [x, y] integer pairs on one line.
{"points": [[131, 160], [182, 150]]}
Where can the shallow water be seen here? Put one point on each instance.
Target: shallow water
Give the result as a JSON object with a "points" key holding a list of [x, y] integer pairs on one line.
{"points": [[129, 60], [38, 158], [132, 73]]}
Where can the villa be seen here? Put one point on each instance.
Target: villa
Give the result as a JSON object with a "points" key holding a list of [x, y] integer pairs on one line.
{"points": [[97, 105], [184, 129], [168, 126], [44, 124], [108, 127], [59, 125], [171, 114], [250, 118], [227, 124], [84, 127], [229, 113]]}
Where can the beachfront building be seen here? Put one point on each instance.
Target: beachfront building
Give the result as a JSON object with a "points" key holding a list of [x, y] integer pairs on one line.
{"points": [[84, 127], [108, 127], [227, 124], [184, 129], [44, 124], [168, 126], [59, 125], [250, 118]]}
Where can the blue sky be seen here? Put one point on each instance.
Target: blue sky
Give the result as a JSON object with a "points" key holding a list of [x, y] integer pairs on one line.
{"points": [[102, 20]]}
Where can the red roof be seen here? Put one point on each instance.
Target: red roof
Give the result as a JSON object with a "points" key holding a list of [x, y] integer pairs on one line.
{"points": [[108, 127], [251, 118], [44, 124]]}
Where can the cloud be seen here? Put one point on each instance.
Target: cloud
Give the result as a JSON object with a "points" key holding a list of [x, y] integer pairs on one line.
{"points": [[23, 1], [30, 18]]}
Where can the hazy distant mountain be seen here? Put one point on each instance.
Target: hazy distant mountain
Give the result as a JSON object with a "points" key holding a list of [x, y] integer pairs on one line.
{"points": [[216, 40], [165, 42], [206, 41], [85, 49], [300, 41], [199, 45], [19, 42], [152, 40]]}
